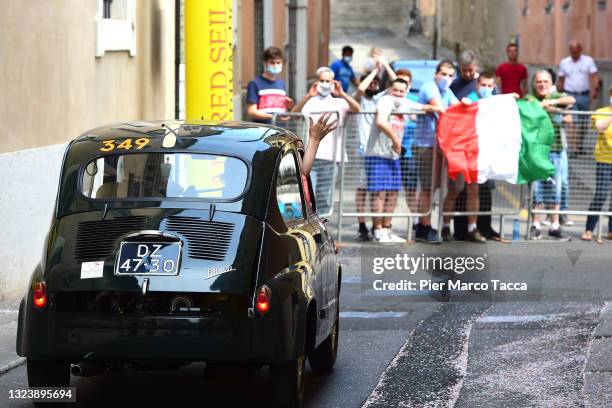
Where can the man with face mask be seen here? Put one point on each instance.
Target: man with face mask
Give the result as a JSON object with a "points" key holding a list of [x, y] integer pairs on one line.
{"points": [[343, 71], [439, 94], [326, 95], [480, 199], [267, 93]]}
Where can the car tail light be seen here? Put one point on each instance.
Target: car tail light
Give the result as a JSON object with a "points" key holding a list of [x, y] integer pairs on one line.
{"points": [[39, 290], [262, 302]]}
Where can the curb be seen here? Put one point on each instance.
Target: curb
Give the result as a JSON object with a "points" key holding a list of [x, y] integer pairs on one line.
{"points": [[13, 364]]}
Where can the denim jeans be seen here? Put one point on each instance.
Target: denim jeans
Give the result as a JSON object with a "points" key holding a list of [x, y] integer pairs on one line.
{"points": [[550, 191], [603, 183], [322, 176], [583, 101]]}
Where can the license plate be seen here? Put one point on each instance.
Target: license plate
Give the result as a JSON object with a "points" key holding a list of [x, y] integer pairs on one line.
{"points": [[148, 258]]}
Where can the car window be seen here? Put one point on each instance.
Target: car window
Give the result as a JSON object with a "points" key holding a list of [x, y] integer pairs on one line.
{"points": [[288, 194], [161, 175]]}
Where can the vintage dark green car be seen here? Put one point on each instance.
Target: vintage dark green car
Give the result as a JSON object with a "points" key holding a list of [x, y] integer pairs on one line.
{"points": [[169, 245]]}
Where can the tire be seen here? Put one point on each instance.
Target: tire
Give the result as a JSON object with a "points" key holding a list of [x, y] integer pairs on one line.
{"points": [[288, 382], [323, 357], [43, 373]]}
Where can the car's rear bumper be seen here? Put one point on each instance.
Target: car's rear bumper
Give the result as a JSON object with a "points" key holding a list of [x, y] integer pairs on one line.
{"points": [[78, 337]]}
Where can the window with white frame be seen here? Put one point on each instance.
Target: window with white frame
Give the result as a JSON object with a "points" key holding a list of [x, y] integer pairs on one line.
{"points": [[115, 26]]}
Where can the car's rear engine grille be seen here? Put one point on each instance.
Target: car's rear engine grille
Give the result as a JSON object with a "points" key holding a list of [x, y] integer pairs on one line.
{"points": [[206, 239], [95, 239]]}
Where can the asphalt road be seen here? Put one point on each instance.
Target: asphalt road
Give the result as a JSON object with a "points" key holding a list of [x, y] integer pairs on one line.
{"points": [[427, 348]]}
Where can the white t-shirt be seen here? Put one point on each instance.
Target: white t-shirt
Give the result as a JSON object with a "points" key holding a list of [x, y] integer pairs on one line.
{"points": [[367, 120], [328, 103], [379, 143], [576, 73]]}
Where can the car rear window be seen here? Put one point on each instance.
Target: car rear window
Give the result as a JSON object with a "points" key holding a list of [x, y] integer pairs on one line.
{"points": [[161, 175]]}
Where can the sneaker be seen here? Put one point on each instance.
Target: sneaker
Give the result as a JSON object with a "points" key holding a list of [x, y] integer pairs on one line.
{"points": [[427, 234], [491, 234], [545, 222], [377, 234], [393, 236], [588, 236], [446, 234], [558, 235], [384, 236], [475, 236], [535, 233], [565, 221], [363, 235]]}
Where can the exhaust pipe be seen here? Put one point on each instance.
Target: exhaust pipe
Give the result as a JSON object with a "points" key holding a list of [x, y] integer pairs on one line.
{"points": [[84, 369]]}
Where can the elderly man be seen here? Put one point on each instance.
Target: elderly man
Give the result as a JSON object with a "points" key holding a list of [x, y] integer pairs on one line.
{"points": [[468, 72], [545, 191], [326, 95], [578, 78]]}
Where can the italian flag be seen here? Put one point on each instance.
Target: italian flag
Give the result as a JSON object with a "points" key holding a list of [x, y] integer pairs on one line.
{"points": [[497, 138]]}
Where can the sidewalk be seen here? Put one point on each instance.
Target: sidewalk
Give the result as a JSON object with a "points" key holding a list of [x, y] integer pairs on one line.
{"points": [[598, 370]]}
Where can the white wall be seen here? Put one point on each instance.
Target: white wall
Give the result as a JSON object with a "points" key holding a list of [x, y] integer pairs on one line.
{"points": [[28, 185]]}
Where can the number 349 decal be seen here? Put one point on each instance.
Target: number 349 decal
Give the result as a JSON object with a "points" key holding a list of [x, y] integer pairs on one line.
{"points": [[127, 144]]}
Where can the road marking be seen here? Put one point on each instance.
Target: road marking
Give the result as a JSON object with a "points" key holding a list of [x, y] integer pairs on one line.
{"points": [[514, 319], [351, 279], [371, 315]]}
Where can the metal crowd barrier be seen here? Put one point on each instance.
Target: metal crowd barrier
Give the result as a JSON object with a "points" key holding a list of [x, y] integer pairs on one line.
{"points": [[359, 177], [496, 199], [577, 137], [324, 172], [583, 192]]}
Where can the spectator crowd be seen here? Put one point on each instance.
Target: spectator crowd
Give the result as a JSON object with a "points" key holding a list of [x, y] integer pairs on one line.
{"points": [[395, 142]]}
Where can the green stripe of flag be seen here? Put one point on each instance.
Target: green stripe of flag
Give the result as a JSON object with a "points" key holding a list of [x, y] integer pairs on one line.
{"points": [[537, 136]]}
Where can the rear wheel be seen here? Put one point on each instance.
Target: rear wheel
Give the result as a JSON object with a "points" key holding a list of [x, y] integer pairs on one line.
{"points": [[323, 357], [43, 373], [288, 382]]}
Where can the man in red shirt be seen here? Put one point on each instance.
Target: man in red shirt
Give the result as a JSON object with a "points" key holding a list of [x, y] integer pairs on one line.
{"points": [[512, 76]]}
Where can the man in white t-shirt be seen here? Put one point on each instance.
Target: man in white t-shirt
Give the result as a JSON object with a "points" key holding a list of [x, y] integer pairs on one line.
{"points": [[326, 95], [382, 155], [368, 93], [578, 78]]}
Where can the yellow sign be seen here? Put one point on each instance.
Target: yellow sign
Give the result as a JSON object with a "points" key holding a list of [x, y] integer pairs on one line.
{"points": [[209, 59]]}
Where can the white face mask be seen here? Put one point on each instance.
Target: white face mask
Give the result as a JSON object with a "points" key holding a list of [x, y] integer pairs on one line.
{"points": [[325, 88]]}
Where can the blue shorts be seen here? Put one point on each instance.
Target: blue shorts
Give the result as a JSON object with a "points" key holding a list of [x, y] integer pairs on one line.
{"points": [[383, 174]]}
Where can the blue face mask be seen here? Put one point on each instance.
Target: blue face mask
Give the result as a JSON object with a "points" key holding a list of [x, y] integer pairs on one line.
{"points": [[347, 59], [274, 69], [485, 92], [444, 83]]}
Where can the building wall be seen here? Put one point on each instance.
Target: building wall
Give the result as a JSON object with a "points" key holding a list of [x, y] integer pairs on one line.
{"points": [[484, 26], [53, 88], [582, 20]]}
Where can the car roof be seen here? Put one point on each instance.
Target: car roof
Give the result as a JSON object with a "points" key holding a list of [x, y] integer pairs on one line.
{"points": [[260, 135]]}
